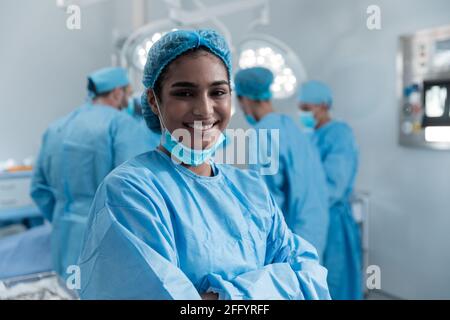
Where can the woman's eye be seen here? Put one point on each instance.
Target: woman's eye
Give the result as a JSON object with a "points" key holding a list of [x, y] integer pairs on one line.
{"points": [[183, 94], [219, 92]]}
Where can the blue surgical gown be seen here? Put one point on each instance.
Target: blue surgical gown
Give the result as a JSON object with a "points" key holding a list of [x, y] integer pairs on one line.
{"points": [[77, 152], [342, 256], [156, 230], [299, 185], [155, 137]]}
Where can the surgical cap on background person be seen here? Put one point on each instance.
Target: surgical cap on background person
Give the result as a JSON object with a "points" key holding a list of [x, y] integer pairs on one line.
{"points": [[170, 47], [107, 79], [254, 83], [315, 92]]}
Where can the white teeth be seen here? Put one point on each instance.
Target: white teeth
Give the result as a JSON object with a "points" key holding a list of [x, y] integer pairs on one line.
{"points": [[197, 126]]}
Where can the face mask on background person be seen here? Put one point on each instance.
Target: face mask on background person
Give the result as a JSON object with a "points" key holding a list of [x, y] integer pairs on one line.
{"points": [[307, 120]]}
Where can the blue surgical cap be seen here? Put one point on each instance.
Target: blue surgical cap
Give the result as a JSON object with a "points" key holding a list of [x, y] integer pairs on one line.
{"points": [[107, 79], [315, 92], [167, 49], [254, 83]]}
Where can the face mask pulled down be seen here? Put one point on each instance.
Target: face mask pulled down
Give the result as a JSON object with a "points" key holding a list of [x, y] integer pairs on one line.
{"points": [[184, 153]]}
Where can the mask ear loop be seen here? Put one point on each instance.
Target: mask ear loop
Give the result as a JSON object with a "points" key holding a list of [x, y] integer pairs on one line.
{"points": [[160, 118]]}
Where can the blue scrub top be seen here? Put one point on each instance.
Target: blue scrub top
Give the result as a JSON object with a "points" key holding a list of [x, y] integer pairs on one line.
{"points": [[342, 257], [157, 230], [299, 186], [77, 152]]}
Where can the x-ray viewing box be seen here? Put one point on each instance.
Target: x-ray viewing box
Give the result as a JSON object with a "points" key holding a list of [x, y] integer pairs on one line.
{"points": [[423, 66]]}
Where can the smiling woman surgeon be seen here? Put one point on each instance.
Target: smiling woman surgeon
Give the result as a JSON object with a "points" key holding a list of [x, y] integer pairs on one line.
{"points": [[191, 229]]}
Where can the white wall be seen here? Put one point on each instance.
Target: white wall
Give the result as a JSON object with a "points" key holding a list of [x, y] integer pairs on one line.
{"points": [[43, 67], [43, 77]]}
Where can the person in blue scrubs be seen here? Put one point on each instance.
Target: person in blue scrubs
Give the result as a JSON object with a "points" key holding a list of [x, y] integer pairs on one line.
{"points": [[77, 152], [171, 223], [339, 155], [299, 186], [134, 109]]}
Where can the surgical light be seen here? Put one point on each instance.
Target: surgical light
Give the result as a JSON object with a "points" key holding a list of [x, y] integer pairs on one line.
{"points": [[262, 50], [140, 50]]}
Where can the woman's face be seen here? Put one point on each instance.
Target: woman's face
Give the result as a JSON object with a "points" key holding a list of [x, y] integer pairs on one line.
{"points": [[195, 99]]}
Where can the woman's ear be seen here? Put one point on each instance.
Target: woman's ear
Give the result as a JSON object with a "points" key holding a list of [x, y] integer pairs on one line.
{"points": [[151, 99]]}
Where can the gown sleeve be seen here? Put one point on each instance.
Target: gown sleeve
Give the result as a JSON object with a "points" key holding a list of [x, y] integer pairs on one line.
{"points": [[41, 192], [299, 188], [308, 205], [291, 270], [129, 251], [339, 165]]}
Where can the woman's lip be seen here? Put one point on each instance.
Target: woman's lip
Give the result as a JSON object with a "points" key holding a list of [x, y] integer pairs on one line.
{"points": [[201, 126], [204, 134]]}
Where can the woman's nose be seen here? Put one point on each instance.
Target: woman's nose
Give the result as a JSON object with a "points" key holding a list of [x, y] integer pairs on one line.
{"points": [[204, 106]]}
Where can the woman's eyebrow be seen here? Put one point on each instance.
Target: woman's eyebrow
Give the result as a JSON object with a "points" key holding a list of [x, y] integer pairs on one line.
{"points": [[219, 83], [186, 84]]}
